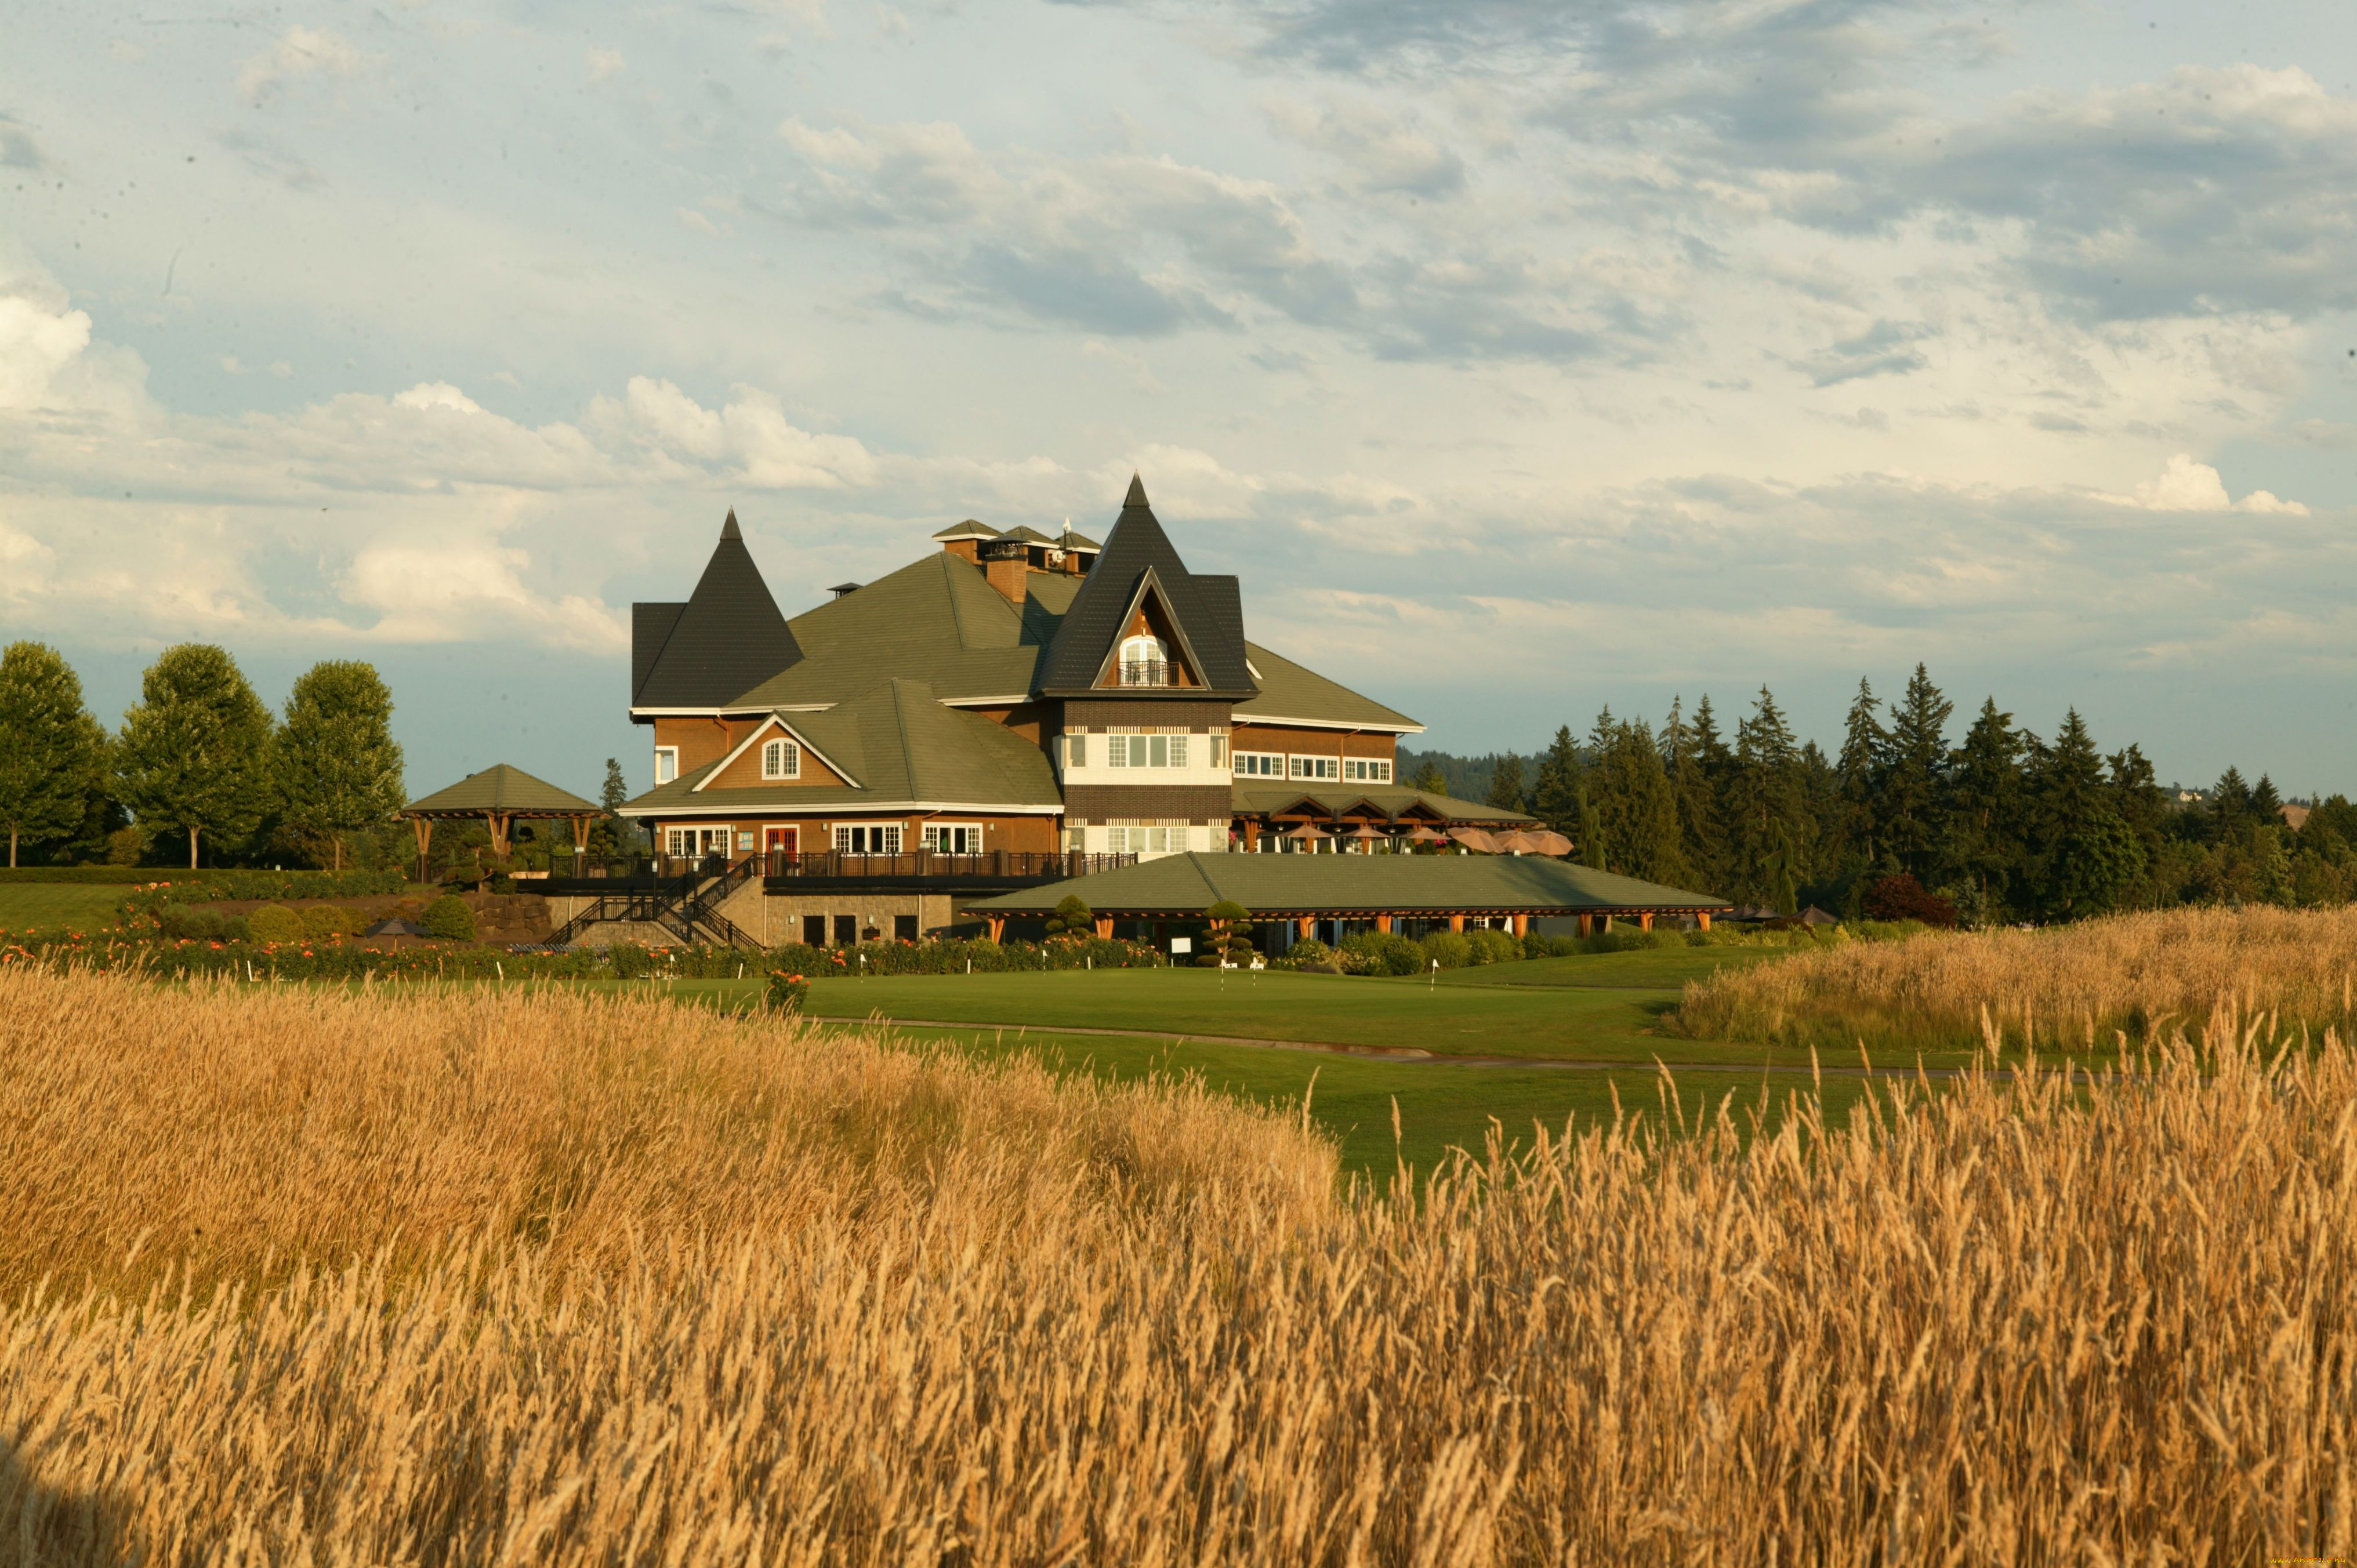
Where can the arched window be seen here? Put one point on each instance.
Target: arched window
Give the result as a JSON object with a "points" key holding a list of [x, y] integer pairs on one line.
{"points": [[781, 759], [1145, 661]]}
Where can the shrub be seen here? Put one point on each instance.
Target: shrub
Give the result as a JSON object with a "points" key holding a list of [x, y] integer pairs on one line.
{"points": [[275, 923], [449, 916], [181, 923], [331, 921], [1227, 938], [125, 846], [1901, 898], [1381, 952], [787, 992], [1451, 949], [1494, 947], [1309, 950], [1073, 916]]}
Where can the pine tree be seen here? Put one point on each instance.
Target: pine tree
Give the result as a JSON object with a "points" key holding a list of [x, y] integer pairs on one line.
{"points": [[338, 767], [2266, 806], [1866, 747], [1915, 784], [50, 750], [1506, 783], [1635, 810], [1429, 780], [1765, 808], [2230, 809], [194, 756], [2084, 858], [1555, 799], [1702, 840]]}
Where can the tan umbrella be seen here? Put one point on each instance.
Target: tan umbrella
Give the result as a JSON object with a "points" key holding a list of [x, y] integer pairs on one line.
{"points": [[1305, 835], [1475, 840], [1545, 840], [1425, 835], [1364, 835]]}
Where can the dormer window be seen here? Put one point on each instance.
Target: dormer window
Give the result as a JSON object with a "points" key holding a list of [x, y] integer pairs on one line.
{"points": [[1145, 661], [781, 759]]}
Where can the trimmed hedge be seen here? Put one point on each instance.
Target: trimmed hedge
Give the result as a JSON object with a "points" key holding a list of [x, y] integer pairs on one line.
{"points": [[127, 875]]}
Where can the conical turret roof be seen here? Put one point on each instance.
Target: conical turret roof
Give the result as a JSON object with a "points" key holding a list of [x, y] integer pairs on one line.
{"points": [[727, 638], [1207, 611]]}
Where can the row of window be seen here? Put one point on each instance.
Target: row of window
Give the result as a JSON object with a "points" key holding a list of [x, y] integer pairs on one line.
{"points": [[1280, 764], [1144, 750], [850, 838]]}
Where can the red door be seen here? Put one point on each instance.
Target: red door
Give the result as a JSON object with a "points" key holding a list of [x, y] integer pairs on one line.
{"points": [[779, 842]]}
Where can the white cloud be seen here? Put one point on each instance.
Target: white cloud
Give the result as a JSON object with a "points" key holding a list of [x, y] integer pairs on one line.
{"points": [[601, 64], [2185, 484], [436, 394], [36, 341], [299, 51]]}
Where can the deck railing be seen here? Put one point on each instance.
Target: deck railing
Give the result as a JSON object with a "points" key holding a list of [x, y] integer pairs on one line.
{"points": [[1037, 865]]}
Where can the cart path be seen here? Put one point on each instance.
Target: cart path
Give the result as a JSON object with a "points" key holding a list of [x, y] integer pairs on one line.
{"points": [[1411, 1056]]}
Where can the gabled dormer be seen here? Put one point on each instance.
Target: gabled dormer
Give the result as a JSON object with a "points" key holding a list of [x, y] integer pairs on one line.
{"points": [[728, 638], [1142, 624]]}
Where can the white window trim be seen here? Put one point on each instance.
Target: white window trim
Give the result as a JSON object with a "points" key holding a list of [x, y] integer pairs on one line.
{"points": [[763, 728], [1370, 764], [1236, 759], [661, 753], [930, 830], [789, 752], [1294, 761], [835, 832]]}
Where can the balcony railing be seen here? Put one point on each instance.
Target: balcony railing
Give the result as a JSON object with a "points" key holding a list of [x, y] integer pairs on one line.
{"points": [[1034, 864], [1145, 672]]}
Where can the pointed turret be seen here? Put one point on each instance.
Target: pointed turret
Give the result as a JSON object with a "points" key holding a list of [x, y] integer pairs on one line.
{"points": [[1202, 611], [726, 639]]}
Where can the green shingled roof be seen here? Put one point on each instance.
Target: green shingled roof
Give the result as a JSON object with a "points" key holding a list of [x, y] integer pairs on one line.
{"points": [[899, 746], [1340, 884], [501, 788], [1289, 690]]}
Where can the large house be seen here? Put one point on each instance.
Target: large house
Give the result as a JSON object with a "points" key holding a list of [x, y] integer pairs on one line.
{"points": [[1017, 692]]}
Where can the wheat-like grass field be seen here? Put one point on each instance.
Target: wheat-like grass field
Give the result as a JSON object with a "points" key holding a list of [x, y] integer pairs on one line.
{"points": [[447, 1278], [2071, 988]]}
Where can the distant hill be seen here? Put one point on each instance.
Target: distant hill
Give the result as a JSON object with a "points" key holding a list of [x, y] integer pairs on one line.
{"points": [[1469, 777]]}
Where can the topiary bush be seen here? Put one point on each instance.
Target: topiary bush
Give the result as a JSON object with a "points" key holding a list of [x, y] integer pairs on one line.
{"points": [[448, 916], [331, 921], [1381, 952], [275, 923]]}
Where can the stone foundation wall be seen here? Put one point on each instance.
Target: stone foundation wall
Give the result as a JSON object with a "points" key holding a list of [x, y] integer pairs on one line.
{"points": [[774, 921]]}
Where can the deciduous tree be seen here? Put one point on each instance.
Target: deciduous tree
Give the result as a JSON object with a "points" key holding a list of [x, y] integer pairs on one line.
{"points": [[51, 750], [194, 755], [338, 767]]}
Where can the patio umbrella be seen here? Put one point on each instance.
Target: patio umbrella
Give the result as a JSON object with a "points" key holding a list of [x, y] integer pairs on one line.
{"points": [[1304, 833], [1545, 840], [1425, 835], [1475, 840], [1363, 835]]}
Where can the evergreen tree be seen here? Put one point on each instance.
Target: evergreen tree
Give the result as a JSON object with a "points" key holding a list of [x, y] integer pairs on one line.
{"points": [[2143, 806], [2230, 809], [194, 756], [614, 833], [1702, 840], [2266, 806], [1764, 801], [1635, 808], [338, 767], [2084, 857], [51, 750], [1915, 783], [1822, 854], [1555, 799], [1866, 748], [1429, 780], [1506, 783], [1987, 849]]}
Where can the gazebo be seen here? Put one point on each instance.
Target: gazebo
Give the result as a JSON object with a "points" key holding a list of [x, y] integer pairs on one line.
{"points": [[501, 796]]}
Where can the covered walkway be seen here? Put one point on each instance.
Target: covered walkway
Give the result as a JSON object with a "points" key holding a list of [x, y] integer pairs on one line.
{"points": [[1387, 892]]}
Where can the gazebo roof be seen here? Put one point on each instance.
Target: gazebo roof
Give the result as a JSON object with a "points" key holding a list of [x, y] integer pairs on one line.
{"points": [[499, 788]]}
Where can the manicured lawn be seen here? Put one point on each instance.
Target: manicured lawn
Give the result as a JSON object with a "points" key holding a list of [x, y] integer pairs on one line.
{"points": [[1668, 968], [80, 906], [1612, 1020], [1442, 1105]]}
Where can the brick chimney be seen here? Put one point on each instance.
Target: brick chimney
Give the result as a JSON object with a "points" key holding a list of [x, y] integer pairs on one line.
{"points": [[1005, 573]]}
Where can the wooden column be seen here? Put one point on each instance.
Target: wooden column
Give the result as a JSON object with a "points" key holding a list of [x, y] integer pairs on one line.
{"points": [[425, 826], [1105, 927], [1252, 835], [1703, 918], [580, 842], [997, 925], [1645, 921], [1456, 922], [1588, 925], [1382, 923], [1521, 925], [1301, 928]]}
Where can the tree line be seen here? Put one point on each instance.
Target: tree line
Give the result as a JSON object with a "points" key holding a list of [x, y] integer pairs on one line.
{"points": [[1999, 824], [201, 766]]}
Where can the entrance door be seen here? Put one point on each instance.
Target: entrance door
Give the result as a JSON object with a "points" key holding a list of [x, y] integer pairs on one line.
{"points": [[779, 840]]}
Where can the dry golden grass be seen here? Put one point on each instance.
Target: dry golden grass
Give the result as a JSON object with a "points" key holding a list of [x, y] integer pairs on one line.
{"points": [[2072, 987], [602, 1281]]}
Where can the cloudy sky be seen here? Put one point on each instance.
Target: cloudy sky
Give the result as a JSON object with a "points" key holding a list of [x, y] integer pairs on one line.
{"points": [[1522, 356]]}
